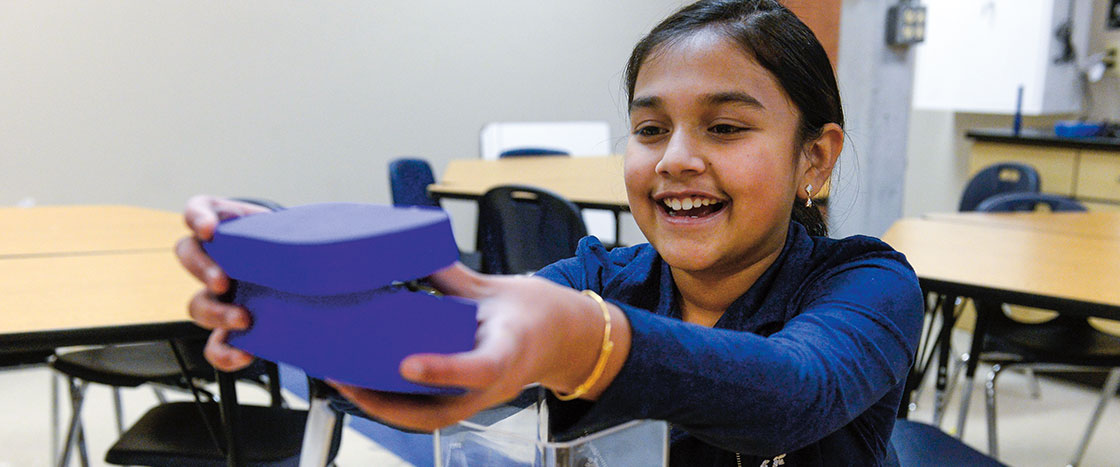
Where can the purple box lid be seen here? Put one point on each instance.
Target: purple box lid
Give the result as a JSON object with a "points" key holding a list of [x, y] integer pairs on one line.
{"points": [[334, 248], [316, 280]]}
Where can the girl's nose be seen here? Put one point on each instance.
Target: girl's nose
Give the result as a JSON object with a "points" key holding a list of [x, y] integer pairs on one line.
{"points": [[682, 156]]}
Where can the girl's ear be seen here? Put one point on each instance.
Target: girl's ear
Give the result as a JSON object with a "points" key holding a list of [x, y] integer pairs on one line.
{"points": [[820, 157]]}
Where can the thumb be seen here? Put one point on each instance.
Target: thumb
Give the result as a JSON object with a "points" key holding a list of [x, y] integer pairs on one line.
{"points": [[476, 369], [460, 281]]}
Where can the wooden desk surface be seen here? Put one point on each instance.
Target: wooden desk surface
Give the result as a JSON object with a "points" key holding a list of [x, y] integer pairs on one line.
{"points": [[46, 230], [1031, 267], [89, 275], [586, 181], [88, 291], [1085, 224]]}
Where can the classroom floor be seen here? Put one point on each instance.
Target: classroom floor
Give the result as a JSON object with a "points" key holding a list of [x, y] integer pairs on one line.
{"points": [[1033, 432]]}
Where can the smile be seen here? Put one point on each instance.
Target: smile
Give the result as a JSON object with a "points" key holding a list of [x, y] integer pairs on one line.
{"points": [[691, 206]]}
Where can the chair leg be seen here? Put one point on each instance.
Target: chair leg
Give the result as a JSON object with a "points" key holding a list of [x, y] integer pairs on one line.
{"points": [[966, 399], [1107, 393], [119, 409], [83, 456], [1033, 384], [55, 377], [159, 395], [74, 431], [990, 405], [944, 397]]}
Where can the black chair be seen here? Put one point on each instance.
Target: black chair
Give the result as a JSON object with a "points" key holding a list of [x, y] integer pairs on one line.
{"points": [[520, 152], [196, 433], [522, 229], [408, 182], [1029, 202], [541, 151], [120, 366], [1064, 343], [1005, 177]]}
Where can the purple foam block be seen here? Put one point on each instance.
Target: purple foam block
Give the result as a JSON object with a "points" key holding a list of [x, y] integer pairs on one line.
{"points": [[358, 339], [334, 248], [316, 280]]}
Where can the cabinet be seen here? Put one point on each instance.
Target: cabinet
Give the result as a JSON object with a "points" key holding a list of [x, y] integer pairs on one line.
{"points": [[978, 52], [1055, 166], [1089, 174], [1098, 176]]}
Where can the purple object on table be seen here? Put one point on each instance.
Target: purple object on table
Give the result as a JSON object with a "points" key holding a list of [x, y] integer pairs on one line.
{"points": [[318, 280]]}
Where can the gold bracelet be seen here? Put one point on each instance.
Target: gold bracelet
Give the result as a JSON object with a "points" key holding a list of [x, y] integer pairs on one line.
{"points": [[604, 352]]}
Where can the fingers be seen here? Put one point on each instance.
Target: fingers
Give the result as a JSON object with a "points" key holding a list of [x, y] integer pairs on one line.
{"points": [[201, 266], [201, 216], [223, 356], [210, 313], [203, 213]]}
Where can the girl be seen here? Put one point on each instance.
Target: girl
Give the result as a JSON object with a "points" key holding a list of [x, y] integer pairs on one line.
{"points": [[759, 339]]}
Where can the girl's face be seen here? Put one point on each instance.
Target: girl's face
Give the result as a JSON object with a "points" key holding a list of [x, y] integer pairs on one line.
{"points": [[711, 165]]}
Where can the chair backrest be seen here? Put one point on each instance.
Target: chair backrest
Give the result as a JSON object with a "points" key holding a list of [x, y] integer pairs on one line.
{"points": [[1020, 202], [522, 229], [1004, 177], [578, 138], [408, 182], [521, 152]]}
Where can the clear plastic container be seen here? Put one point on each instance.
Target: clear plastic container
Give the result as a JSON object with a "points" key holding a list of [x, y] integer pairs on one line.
{"points": [[517, 435]]}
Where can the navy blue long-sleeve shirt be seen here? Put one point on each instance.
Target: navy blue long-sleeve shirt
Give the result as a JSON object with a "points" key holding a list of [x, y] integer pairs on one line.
{"points": [[806, 368]]}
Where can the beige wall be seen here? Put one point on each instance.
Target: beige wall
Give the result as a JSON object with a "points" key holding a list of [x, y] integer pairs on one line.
{"points": [[146, 103], [937, 168]]}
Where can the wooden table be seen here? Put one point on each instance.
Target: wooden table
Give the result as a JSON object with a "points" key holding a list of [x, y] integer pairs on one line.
{"points": [[590, 182], [76, 275], [53, 230], [1083, 224], [1053, 261], [1058, 261]]}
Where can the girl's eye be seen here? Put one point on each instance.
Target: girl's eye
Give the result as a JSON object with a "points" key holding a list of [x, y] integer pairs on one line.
{"points": [[725, 129], [649, 130]]}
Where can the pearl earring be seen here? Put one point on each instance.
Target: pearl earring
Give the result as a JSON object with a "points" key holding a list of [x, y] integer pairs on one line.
{"points": [[809, 195]]}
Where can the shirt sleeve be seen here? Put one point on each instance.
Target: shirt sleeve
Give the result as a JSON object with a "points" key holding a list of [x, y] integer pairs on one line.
{"points": [[853, 341]]}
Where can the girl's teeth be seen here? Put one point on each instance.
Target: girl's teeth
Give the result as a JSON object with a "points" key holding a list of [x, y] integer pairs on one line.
{"points": [[678, 204]]}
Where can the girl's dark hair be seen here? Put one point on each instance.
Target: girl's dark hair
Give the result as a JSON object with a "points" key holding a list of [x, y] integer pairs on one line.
{"points": [[782, 44]]}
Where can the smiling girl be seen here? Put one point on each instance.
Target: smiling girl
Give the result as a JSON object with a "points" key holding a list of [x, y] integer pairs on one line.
{"points": [[757, 337]]}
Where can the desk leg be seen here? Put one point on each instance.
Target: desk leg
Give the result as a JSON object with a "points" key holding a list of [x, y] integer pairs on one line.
{"points": [[948, 321], [617, 227], [982, 309], [228, 393]]}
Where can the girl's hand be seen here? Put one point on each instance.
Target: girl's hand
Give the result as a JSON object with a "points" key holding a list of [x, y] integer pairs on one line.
{"points": [[202, 215], [530, 330]]}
